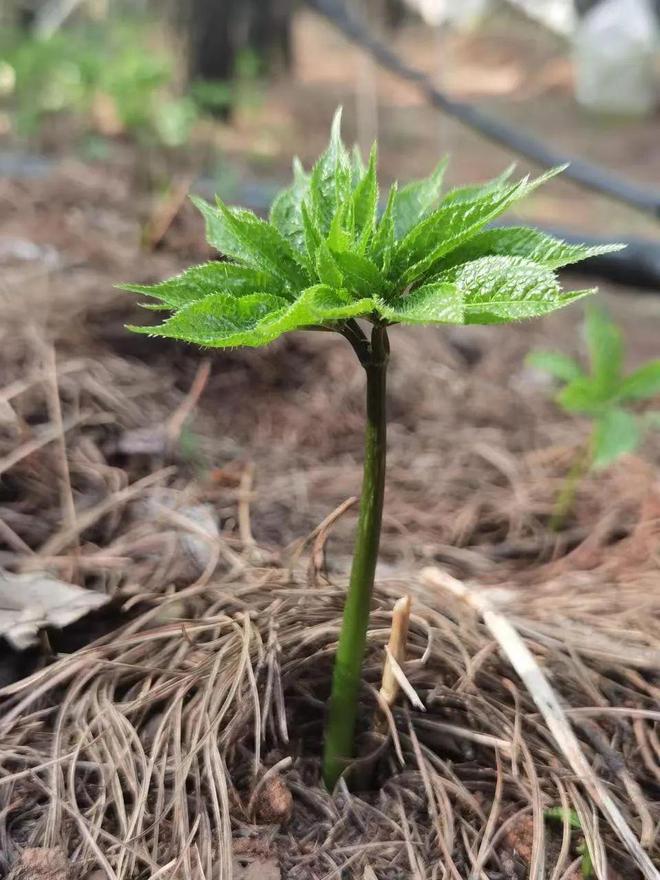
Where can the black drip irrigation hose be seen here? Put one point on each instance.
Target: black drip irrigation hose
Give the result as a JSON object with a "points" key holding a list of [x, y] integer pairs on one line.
{"points": [[638, 266], [585, 173]]}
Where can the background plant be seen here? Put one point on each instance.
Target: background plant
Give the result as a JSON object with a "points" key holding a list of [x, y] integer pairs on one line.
{"points": [[96, 69], [604, 394], [327, 260]]}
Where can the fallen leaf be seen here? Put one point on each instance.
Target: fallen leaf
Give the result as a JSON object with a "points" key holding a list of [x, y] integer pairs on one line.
{"points": [[30, 602]]}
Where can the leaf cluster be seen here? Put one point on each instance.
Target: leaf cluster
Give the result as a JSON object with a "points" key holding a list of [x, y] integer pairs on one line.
{"points": [[327, 256], [603, 392]]}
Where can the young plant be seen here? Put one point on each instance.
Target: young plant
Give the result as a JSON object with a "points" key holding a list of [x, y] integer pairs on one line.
{"points": [[603, 394], [326, 260]]}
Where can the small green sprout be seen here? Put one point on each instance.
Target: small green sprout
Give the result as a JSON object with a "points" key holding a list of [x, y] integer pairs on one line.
{"points": [[327, 260], [603, 394], [559, 814]]}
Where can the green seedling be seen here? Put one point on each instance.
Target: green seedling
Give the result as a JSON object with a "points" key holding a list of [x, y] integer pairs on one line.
{"points": [[558, 814], [603, 394], [327, 261]]}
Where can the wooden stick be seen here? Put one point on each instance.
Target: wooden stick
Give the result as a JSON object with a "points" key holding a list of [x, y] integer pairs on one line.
{"points": [[396, 648]]}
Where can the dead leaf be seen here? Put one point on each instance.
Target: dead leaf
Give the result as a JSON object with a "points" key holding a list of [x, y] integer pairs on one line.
{"points": [[30, 602]]}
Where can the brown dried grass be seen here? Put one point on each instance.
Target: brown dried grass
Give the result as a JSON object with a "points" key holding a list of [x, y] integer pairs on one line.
{"points": [[143, 753]]}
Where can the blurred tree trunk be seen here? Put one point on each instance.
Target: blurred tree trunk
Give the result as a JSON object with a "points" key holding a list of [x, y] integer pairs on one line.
{"points": [[220, 30]]}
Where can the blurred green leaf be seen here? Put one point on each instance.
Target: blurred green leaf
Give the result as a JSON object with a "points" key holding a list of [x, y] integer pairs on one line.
{"points": [[560, 366], [605, 351], [642, 384], [616, 432]]}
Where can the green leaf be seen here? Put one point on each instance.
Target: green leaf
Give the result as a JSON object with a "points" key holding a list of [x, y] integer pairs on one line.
{"points": [[330, 182], [360, 275], [615, 433], [416, 199], [560, 814], [448, 227], [340, 236], [327, 269], [642, 384], [286, 210], [560, 366], [324, 257], [247, 239], [200, 281], [581, 395], [436, 303], [221, 321], [313, 237], [522, 241], [501, 289], [474, 192], [381, 247], [605, 352], [365, 202], [358, 168]]}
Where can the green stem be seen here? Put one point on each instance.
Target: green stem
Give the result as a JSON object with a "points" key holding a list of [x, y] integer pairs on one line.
{"points": [[343, 709], [566, 498]]}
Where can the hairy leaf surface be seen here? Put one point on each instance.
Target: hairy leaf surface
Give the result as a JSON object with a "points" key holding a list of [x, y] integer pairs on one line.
{"points": [[325, 256]]}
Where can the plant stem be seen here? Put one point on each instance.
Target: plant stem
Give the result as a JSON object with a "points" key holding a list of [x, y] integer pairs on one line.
{"points": [[343, 709], [566, 498]]}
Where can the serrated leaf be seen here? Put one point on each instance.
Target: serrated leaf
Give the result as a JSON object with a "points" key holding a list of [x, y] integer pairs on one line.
{"points": [[421, 249], [200, 281], [642, 383], [313, 237], [326, 268], [330, 182], [522, 241], [436, 303], [383, 239], [501, 289], [365, 201], [220, 320], [455, 222], [340, 236], [358, 168], [360, 275], [286, 210], [324, 257], [616, 432], [246, 238], [476, 191], [416, 199], [605, 346], [560, 366]]}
